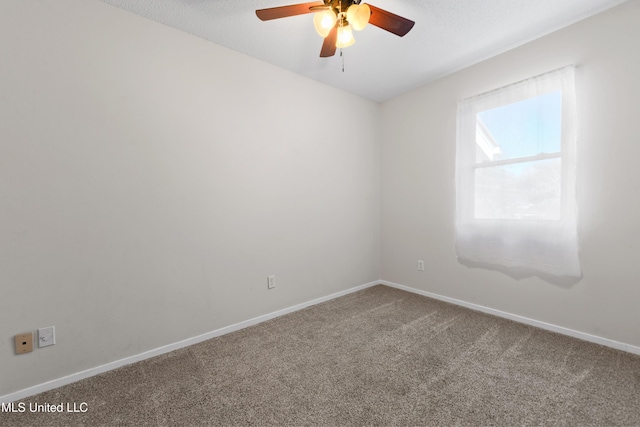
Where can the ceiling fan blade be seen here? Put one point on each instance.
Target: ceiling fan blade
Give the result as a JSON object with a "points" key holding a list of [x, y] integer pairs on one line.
{"points": [[389, 21], [285, 11], [329, 45]]}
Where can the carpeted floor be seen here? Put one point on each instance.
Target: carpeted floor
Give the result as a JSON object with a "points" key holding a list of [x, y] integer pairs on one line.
{"points": [[376, 357]]}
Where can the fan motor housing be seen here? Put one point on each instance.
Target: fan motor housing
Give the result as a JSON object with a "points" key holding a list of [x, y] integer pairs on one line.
{"points": [[341, 5]]}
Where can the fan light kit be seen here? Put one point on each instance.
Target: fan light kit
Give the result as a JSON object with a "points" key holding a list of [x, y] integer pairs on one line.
{"points": [[335, 20]]}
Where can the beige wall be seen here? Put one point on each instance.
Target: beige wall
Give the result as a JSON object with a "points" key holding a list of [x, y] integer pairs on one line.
{"points": [[150, 181], [418, 188]]}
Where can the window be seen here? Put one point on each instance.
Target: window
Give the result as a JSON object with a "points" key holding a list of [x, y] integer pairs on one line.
{"points": [[515, 176]]}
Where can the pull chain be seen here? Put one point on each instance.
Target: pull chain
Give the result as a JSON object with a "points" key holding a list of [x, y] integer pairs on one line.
{"points": [[342, 56]]}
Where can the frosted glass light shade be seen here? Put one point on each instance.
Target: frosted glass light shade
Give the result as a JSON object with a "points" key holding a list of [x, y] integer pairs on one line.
{"points": [[324, 21], [345, 37], [358, 16]]}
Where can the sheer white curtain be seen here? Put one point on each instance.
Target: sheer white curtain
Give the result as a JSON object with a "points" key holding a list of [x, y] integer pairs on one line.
{"points": [[515, 176]]}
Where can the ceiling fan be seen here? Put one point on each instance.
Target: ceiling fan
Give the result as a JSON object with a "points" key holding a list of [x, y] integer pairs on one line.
{"points": [[335, 19]]}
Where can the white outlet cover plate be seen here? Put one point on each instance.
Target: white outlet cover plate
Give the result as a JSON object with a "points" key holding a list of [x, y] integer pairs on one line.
{"points": [[46, 336]]}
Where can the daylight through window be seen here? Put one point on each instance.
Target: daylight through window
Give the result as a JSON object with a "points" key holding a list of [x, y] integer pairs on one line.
{"points": [[519, 176], [515, 176]]}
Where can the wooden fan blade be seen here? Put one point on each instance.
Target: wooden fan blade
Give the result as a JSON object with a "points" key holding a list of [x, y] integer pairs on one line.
{"points": [[329, 45], [285, 11], [391, 22]]}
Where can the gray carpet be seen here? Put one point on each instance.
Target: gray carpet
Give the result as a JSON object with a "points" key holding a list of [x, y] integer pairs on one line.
{"points": [[376, 357]]}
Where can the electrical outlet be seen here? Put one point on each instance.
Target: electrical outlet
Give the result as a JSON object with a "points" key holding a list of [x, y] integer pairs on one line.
{"points": [[271, 282], [46, 336], [24, 343], [420, 265]]}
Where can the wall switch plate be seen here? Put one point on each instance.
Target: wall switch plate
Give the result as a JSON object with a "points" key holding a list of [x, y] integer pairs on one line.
{"points": [[24, 343], [420, 265], [271, 282], [46, 336]]}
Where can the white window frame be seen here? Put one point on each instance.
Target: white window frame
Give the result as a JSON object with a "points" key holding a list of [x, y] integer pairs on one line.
{"points": [[547, 246]]}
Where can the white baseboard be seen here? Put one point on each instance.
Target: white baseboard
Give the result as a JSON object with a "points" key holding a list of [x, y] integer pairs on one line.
{"points": [[50, 385], [538, 324], [59, 382]]}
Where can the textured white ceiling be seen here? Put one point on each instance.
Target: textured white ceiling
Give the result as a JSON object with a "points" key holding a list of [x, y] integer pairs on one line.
{"points": [[448, 35]]}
